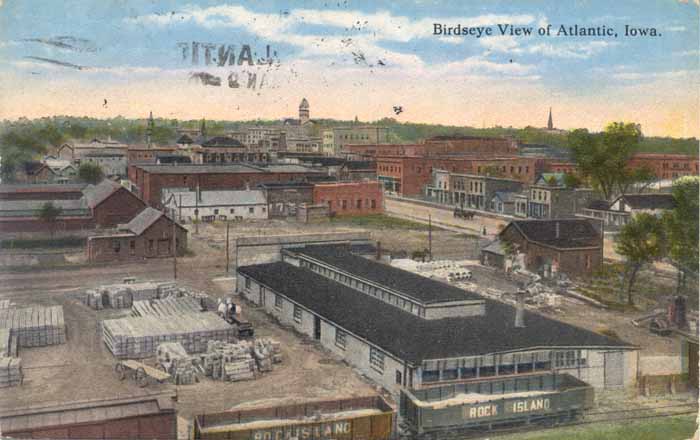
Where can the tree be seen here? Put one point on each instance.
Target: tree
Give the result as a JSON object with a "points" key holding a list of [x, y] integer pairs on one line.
{"points": [[603, 157], [49, 214], [90, 172], [630, 177], [16, 147], [641, 241], [681, 224], [572, 180]]}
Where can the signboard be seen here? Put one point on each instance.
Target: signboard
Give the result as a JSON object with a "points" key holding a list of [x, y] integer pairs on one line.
{"points": [[340, 430], [499, 409]]}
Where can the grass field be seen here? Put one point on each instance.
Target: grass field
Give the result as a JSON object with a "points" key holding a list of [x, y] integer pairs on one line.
{"points": [[379, 221], [664, 428]]}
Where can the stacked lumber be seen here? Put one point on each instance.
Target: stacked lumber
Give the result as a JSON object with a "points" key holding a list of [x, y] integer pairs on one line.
{"points": [[173, 359], [93, 299], [228, 362], [10, 372], [8, 343], [267, 351], [35, 326], [167, 289], [4, 303], [171, 305], [139, 336]]}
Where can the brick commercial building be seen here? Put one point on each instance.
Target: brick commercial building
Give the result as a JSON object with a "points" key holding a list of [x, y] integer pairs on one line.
{"points": [[225, 149], [408, 332], [549, 247], [111, 204], [477, 192], [150, 180], [148, 235], [336, 138], [409, 176], [436, 146], [145, 154], [350, 198], [667, 166]]}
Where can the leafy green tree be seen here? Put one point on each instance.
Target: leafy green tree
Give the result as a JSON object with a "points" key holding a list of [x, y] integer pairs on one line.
{"points": [[90, 172], [603, 157], [681, 225], [49, 214], [572, 180], [641, 242], [16, 147], [635, 176]]}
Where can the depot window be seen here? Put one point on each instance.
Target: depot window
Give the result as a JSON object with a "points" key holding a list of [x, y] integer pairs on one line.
{"points": [[278, 302], [297, 314], [376, 359], [340, 338]]}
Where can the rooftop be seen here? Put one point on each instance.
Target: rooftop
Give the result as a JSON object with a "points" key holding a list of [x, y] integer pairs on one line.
{"points": [[30, 188], [96, 194], [562, 233], [411, 338], [419, 288], [219, 198], [649, 201], [222, 142], [236, 168]]}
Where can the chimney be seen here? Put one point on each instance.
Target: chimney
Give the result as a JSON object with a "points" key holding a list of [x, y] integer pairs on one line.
{"points": [[520, 309], [556, 230]]}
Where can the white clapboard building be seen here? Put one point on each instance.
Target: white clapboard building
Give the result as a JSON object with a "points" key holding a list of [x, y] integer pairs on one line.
{"points": [[208, 206]]}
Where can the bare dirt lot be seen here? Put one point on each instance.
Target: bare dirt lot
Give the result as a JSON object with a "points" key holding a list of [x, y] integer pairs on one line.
{"points": [[82, 368]]}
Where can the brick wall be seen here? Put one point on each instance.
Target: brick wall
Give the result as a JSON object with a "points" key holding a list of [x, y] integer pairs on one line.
{"points": [[350, 198], [120, 207], [155, 242]]}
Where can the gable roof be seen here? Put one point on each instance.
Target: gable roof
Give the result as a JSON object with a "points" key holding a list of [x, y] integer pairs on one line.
{"points": [[506, 196], [649, 201], [546, 177], [96, 194], [145, 219], [560, 234], [414, 339], [184, 139]]}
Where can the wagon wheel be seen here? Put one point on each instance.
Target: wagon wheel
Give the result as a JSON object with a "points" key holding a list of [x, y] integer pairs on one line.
{"points": [[121, 371], [141, 377]]}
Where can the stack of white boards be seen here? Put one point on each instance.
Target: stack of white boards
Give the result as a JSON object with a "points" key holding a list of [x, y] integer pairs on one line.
{"points": [[8, 343], [35, 326], [172, 305], [139, 336], [10, 372], [228, 362], [119, 296]]}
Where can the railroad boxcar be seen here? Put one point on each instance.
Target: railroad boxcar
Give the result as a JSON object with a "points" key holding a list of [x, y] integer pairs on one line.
{"points": [[362, 418]]}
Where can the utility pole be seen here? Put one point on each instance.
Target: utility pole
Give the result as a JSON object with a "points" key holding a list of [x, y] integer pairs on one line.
{"points": [[430, 237], [179, 209], [227, 253], [174, 250], [196, 211]]}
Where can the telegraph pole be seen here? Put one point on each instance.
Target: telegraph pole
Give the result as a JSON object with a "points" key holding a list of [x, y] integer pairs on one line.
{"points": [[174, 250], [227, 252], [430, 237]]}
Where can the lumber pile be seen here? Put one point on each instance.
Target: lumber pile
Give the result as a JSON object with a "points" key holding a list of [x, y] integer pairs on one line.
{"points": [[10, 372], [4, 303], [173, 359], [8, 343], [121, 296], [267, 351], [35, 326], [228, 362], [171, 305], [139, 336]]}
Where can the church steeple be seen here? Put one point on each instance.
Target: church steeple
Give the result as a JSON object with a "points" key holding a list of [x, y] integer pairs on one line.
{"points": [[149, 129], [550, 124]]}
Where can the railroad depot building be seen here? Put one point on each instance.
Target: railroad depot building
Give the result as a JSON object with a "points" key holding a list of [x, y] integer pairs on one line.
{"points": [[408, 332]]}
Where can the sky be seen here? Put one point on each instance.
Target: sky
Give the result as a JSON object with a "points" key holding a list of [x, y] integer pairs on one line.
{"points": [[364, 59]]}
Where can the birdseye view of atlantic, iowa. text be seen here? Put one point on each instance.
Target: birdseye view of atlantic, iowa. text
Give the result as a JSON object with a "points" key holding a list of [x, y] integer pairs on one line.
{"points": [[349, 220]]}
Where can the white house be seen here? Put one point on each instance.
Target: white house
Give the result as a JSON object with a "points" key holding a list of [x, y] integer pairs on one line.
{"points": [[207, 206]]}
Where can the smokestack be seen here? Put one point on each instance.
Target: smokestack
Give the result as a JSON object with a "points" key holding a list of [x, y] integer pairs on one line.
{"points": [[520, 309], [556, 230]]}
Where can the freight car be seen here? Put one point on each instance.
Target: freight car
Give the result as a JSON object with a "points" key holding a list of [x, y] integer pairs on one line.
{"points": [[366, 418], [434, 412]]}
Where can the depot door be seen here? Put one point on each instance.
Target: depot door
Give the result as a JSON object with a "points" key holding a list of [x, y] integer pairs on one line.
{"points": [[164, 247], [614, 369]]}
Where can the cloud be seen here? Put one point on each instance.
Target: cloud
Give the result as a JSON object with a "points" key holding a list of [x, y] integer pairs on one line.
{"points": [[687, 53], [574, 50], [676, 28], [671, 74]]}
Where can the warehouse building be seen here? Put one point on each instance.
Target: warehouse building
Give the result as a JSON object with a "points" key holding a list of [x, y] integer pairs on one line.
{"points": [[405, 331]]}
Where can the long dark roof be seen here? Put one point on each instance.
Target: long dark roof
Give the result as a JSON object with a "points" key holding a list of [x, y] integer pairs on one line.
{"points": [[650, 201], [222, 142], [414, 339], [572, 233], [420, 288]]}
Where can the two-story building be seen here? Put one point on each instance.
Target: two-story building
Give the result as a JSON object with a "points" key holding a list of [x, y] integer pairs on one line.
{"points": [[550, 198], [477, 192]]}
